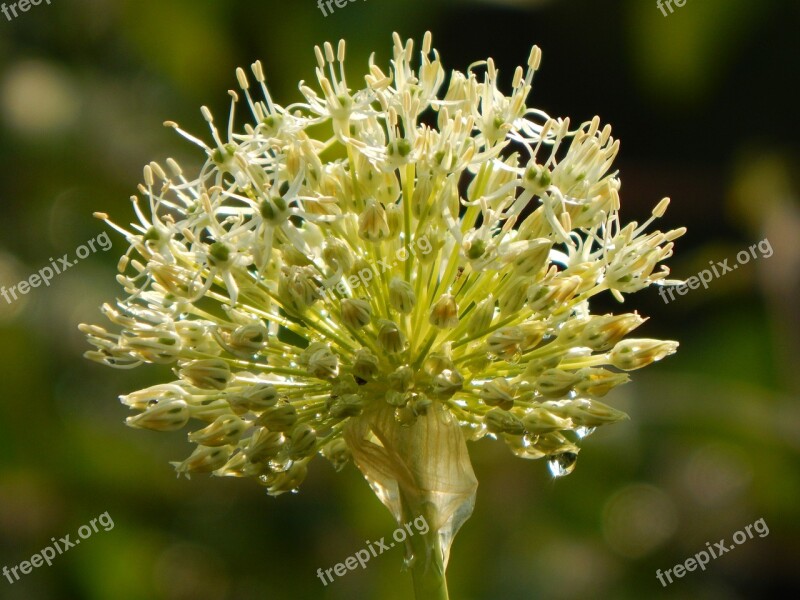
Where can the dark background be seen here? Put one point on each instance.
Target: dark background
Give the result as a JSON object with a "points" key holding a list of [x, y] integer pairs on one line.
{"points": [[703, 101]]}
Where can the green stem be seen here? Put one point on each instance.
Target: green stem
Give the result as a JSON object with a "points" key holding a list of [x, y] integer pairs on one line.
{"points": [[427, 566]]}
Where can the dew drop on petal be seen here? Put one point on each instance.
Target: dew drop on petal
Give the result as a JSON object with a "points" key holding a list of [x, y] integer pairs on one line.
{"points": [[583, 432], [562, 464]]}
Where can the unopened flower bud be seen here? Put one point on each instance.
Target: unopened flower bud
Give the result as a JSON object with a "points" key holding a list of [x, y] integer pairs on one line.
{"points": [[298, 288], [531, 257], [249, 339], [506, 341], [602, 332], [356, 312], [204, 459], [420, 404], [503, 421], [320, 361], [372, 223], [209, 374], [168, 414], [395, 398], [365, 365], [637, 353], [394, 218], [447, 383], [255, 398], [483, 314], [540, 420], [337, 255], [302, 441], [349, 405], [532, 333], [598, 382], [514, 297], [281, 417], [401, 296], [337, 452], [390, 338], [401, 379], [444, 313], [225, 430], [286, 481], [263, 445], [591, 413], [498, 392], [554, 443], [544, 297], [556, 382]]}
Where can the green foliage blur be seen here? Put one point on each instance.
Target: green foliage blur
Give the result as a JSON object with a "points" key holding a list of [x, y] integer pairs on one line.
{"points": [[703, 102]]}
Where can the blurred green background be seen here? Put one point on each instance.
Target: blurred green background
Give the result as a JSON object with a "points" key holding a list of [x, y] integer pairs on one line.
{"points": [[703, 102]]}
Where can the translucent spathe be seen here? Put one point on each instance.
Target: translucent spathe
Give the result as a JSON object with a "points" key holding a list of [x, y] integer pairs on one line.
{"points": [[418, 469]]}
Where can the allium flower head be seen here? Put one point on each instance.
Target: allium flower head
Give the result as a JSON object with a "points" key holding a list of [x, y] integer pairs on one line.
{"points": [[383, 272]]}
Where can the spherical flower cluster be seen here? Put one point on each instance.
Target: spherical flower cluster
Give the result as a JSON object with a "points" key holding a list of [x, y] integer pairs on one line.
{"points": [[419, 248]]}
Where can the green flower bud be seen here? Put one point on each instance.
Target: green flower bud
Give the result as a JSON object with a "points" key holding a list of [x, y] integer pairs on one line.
{"points": [[556, 382], [401, 296], [602, 332], [506, 341], [514, 298], [337, 452], [598, 382], [545, 297], [447, 383], [302, 441], [320, 361], [255, 398], [208, 374], [502, 421], [420, 404], [401, 379], [249, 339], [168, 414], [483, 314], [539, 420], [356, 313], [225, 430], [204, 460], [263, 445], [372, 223], [444, 312], [278, 418], [349, 405], [591, 413], [337, 255], [635, 354], [498, 392], [390, 338], [286, 481], [365, 365]]}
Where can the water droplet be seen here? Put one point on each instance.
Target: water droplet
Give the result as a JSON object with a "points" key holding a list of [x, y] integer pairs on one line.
{"points": [[583, 432], [562, 464], [409, 560], [279, 465]]}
